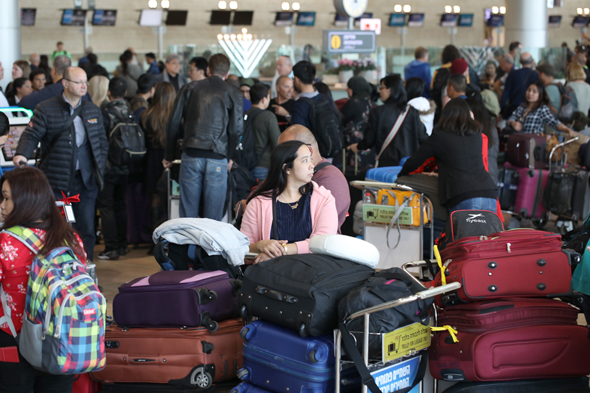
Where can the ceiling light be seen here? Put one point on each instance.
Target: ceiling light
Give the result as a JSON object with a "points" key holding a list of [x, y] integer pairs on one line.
{"points": [[586, 11], [154, 4], [407, 8], [580, 11], [296, 6], [397, 8], [219, 37], [233, 5], [456, 9], [222, 5], [495, 9], [165, 4], [226, 37], [285, 6], [448, 9], [502, 10], [244, 31]]}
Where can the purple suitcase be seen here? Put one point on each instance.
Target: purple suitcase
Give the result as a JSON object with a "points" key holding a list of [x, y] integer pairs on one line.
{"points": [[531, 187], [526, 150], [177, 299]]}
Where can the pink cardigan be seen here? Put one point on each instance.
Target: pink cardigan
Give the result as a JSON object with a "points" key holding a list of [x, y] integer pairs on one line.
{"points": [[257, 220]]}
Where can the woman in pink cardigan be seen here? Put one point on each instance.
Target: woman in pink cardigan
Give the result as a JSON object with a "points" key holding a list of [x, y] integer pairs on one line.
{"points": [[303, 209]]}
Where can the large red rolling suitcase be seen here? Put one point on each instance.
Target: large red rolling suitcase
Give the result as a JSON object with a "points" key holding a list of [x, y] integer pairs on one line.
{"points": [[508, 339], [518, 262], [529, 195], [190, 357]]}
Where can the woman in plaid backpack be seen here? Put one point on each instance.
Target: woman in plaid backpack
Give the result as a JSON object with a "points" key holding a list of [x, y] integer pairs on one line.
{"points": [[27, 202]]}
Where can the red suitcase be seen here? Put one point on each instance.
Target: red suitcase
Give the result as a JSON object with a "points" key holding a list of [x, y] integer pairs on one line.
{"points": [[508, 339], [188, 357], [527, 150], [84, 384], [518, 262], [531, 188]]}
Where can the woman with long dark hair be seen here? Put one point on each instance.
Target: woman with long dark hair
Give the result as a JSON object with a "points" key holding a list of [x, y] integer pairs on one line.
{"points": [[153, 121], [534, 113], [28, 203], [355, 116], [303, 209], [129, 71], [456, 144], [44, 65], [382, 119], [482, 116], [21, 87]]}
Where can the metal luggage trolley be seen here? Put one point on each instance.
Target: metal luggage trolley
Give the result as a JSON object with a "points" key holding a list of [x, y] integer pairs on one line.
{"points": [[385, 366], [379, 221], [173, 191]]}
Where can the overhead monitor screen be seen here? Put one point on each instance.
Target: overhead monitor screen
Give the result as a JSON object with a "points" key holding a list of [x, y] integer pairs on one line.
{"points": [[416, 20], [448, 20], [176, 18], [73, 17], [243, 18], [496, 20], [580, 21], [465, 20], [27, 16], [104, 17], [306, 19], [397, 20], [151, 18], [220, 18], [554, 20]]}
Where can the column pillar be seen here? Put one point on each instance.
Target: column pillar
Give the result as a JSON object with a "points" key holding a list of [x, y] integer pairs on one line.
{"points": [[526, 21], [10, 33]]}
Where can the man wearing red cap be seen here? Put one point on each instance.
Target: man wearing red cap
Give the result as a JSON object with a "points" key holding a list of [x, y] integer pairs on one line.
{"points": [[459, 67]]}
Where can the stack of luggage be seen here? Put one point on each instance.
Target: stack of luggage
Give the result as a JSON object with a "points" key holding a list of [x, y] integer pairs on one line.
{"points": [[176, 328], [511, 331]]}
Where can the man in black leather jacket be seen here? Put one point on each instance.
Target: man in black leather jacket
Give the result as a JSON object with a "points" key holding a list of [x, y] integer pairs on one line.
{"points": [[211, 111]]}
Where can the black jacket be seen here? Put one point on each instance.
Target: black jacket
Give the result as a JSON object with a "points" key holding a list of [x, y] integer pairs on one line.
{"points": [[57, 149], [461, 171], [407, 140], [212, 114]]}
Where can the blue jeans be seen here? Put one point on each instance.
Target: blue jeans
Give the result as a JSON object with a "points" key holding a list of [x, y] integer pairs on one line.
{"points": [[207, 176], [259, 173], [489, 204]]}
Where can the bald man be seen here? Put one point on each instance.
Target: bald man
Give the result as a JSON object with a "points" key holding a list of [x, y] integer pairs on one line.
{"points": [[284, 68], [282, 106], [325, 174], [74, 149], [516, 84]]}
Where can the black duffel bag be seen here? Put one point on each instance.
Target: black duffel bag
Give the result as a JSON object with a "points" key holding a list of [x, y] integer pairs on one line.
{"points": [[465, 223], [300, 292], [385, 286]]}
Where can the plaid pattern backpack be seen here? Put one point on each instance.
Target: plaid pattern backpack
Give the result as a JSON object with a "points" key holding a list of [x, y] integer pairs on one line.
{"points": [[64, 320]]}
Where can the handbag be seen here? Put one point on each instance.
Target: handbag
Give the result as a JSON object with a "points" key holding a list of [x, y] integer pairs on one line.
{"points": [[392, 133]]}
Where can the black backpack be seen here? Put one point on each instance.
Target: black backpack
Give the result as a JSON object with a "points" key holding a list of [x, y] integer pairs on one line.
{"points": [[325, 126], [126, 143], [245, 154], [464, 223], [568, 103]]}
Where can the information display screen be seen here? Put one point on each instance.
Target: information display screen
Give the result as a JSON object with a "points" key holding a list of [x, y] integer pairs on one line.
{"points": [[104, 17], [72, 17]]}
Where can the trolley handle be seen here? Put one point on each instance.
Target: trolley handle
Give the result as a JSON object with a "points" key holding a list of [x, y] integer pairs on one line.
{"points": [[398, 302], [560, 145], [378, 184]]}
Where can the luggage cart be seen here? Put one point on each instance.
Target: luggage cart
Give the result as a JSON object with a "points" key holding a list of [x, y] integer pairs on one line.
{"points": [[382, 365], [173, 191], [378, 223]]}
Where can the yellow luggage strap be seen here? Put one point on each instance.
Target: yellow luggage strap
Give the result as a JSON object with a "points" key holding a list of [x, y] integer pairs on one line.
{"points": [[452, 332], [443, 277]]}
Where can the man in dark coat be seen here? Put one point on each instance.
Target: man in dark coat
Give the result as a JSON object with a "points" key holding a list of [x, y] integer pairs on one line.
{"points": [[74, 149]]}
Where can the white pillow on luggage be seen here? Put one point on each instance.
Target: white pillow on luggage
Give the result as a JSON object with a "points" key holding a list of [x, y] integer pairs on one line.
{"points": [[345, 247]]}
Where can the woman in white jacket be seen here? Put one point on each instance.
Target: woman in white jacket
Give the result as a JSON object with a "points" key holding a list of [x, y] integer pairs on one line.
{"points": [[426, 107]]}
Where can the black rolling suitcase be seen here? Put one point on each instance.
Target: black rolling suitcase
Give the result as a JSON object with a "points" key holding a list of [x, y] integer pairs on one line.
{"points": [[569, 385], [581, 195], [300, 292], [507, 188], [559, 192]]}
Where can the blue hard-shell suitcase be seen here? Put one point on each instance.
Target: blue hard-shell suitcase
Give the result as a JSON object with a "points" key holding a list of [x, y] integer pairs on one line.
{"points": [[278, 359], [247, 387]]}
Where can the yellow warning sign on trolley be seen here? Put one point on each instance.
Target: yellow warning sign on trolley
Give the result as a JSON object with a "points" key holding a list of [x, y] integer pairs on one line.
{"points": [[405, 341]]}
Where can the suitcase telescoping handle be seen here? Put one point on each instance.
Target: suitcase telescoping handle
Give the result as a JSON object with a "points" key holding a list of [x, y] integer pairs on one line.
{"points": [[558, 146], [276, 295]]}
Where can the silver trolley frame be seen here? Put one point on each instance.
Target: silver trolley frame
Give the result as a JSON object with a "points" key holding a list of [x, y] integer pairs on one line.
{"points": [[169, 189], [425, 202], [366, 314]]}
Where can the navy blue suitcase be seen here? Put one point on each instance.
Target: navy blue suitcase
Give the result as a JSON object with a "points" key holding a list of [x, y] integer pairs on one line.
{"points": [[247, 387], [278, 359]]}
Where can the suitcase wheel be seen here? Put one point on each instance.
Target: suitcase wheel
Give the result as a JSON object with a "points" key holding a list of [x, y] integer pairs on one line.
{"points": [[302, 330], [243, 374], [312, 357], [244, 333], [212, 325], [244, 313], [201, 378]]}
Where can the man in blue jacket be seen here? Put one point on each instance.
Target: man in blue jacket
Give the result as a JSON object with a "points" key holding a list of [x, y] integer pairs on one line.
{"points": [[420, 68]]}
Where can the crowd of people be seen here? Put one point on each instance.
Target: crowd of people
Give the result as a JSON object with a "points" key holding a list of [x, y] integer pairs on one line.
{"points": [[269, 141]]}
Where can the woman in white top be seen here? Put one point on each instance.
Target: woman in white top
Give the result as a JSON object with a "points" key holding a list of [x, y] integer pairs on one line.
{"points": [[425, 107], [576, 79]]}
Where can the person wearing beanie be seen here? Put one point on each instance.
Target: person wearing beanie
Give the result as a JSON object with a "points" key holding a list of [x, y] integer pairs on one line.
{"points": [[459, 67]]}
